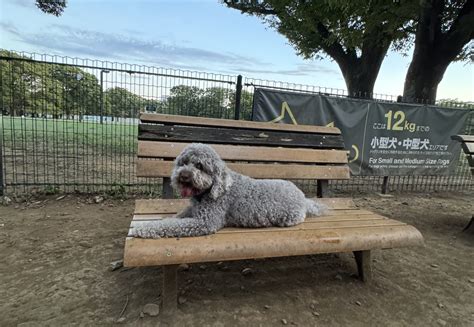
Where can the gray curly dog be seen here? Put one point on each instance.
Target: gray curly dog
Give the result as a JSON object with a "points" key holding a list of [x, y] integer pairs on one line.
{"points": [[224, 198]]}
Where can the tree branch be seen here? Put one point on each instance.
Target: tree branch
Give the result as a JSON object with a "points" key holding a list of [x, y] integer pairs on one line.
{"points": [[250, 8], [461, 31], [334, 49]]}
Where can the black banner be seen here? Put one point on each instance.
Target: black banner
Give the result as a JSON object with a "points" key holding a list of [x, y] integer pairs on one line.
{"points": [[383, 138]]}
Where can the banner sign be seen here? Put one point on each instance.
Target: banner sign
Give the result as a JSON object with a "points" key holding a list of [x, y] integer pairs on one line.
{"points": [[384, 139]]}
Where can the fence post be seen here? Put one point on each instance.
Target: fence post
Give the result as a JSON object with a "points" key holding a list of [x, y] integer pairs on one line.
{"points": [[238, 95], [2, 190], [385, 185]]}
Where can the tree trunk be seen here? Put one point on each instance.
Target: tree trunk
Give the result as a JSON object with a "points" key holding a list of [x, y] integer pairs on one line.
{"points": [[435, 49], [421, 82], [360, 73], [360, 79]]}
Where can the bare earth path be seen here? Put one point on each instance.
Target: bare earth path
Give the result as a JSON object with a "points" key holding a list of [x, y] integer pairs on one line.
{"points": [[55, 258]]}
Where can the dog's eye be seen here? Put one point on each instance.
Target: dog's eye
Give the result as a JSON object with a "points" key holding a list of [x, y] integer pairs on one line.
{"points": [[199, 166]]}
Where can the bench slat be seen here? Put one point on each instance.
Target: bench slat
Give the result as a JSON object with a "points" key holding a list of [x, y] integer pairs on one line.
{"points": [[468, 148], [157, 206], [340, 212], [237, 136], [159, 168], [463, 138], [328, 218], [170, 150], [278, 243], [199, 121], [313, 224], [346, 214]]}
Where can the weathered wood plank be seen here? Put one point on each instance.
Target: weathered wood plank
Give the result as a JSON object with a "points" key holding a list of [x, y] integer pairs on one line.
{"points": [[232, 246], [309, 224], [240, 137], [199, 121], [329, 218], [334, 215], [160, 168], [170, 150], [330, 213], [157, 206]]}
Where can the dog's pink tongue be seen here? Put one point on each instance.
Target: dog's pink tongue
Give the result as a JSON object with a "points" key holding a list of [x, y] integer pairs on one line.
{"points": [[186, 192]]}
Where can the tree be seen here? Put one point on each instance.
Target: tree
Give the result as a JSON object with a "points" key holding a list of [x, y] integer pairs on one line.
{"points": [[444, 33], [32, 88], [216, 102], [184, 100], [81, 90], [53, 7], [356, 34], [120, 102], [246, 104], [13, 83]]}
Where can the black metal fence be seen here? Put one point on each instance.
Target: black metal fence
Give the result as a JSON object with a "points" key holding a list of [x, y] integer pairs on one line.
{"points": [[70, 124]]}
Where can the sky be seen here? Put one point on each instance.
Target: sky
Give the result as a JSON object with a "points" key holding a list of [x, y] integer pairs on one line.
{"points": [[200, 35]]}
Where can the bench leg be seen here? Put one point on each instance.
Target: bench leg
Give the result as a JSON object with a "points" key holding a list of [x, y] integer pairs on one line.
{"points": [[364, 265], [170, 289], [322, 188]]}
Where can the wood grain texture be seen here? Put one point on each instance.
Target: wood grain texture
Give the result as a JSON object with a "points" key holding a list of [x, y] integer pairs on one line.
{"points": [[308, 224], [346, 214], [213, 122], [158, 206], [278, 243], [170, 150], [160, 168], [238, 136]]}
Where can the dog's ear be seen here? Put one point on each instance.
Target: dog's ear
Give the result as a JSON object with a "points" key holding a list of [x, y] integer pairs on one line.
{"points": [[221, 180], [175, 173]]}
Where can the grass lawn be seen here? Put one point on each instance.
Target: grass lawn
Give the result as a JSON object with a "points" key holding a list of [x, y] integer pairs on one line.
{"points": [[110, 137]]}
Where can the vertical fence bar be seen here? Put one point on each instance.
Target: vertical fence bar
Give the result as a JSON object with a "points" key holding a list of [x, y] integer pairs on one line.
{"points": [[2, 184], [238, 95], [385, 185]]}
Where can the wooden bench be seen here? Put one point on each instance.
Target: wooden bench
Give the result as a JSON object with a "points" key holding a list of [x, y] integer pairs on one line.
{"points": [[260, 150], [467, 144]]}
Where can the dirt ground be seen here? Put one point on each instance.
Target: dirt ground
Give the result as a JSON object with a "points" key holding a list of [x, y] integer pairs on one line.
{"points": [[56, 254]]}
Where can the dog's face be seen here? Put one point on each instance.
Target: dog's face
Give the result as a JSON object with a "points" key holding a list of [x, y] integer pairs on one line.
{"points": [[198, 169]]}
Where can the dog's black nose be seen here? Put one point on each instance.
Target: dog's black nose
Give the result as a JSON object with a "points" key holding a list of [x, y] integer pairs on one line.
{"points": [[185, 176]]}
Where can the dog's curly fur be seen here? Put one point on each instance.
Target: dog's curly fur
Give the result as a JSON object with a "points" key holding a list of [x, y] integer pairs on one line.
{"points": [[222, 197]]}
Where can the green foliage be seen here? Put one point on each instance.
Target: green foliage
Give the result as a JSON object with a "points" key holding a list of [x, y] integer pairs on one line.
{"points": [[53, 7], [81, 90], [193, 101], [215, 102], [317, 28], [120, 102], [37, 89], [117, 191], [51, 190], [32, 88]]}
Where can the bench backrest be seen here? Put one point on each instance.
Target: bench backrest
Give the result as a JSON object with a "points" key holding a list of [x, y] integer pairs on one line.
{"points": [[259, 150], [467, 143]]}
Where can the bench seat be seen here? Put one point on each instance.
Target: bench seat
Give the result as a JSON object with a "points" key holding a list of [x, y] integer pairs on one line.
{"points": [[344, 228]]}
